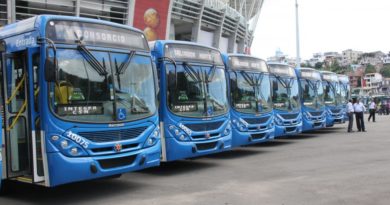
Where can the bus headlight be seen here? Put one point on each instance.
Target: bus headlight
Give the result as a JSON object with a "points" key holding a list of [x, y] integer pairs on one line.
{"points": [[307, 115], [74, 151], [240, 124], [277, 120], [152, 139], [178, 133], [227, 129], [67, 147]]}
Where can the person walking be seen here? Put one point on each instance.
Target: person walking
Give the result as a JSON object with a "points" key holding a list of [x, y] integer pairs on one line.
{"points": [[350, 112], [372, 110], [359, 110]]}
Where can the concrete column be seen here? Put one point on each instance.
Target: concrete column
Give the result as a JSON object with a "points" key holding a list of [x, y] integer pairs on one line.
{"points": [[218, 31], [197, 24], [130, 12], [233, 37], [11, 11], [77, 8]]}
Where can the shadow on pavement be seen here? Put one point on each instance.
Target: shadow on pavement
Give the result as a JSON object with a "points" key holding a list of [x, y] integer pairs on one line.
{"points": [[178, 167], [302, 136], [273, 143], [235, 153], [75, 193]]}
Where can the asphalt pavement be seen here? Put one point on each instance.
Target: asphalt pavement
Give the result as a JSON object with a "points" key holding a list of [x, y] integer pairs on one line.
{"points": [[328, 166]]}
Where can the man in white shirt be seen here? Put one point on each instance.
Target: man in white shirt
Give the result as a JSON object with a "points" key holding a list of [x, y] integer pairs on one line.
{"points": [[350, 112], [359, 110], [372, 109]]}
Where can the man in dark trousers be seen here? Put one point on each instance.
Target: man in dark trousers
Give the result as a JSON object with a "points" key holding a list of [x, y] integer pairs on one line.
{"points": [[350, 112], [359, 110], [372, 110]]}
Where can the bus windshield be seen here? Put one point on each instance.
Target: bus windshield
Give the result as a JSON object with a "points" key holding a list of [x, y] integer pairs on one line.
{"points": [[122, 91], [285, 95], [196, 91], [312, 93], [250, 92], [330, 97]]}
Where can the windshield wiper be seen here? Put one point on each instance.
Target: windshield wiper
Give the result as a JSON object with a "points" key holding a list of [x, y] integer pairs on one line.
{"points": [[210, 75], [192, 73], [91, 59], [124, 65], [122, 68], [255, 83], [135, 100]]}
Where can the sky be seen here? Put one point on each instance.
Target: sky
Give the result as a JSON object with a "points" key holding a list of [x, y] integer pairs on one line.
{"points": [[324, 25]]}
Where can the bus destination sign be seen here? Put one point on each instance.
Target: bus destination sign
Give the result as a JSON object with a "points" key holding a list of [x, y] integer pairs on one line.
{"points": [[95, 34], [185, 107], [193, 53], [91, 109], [248, 63]]}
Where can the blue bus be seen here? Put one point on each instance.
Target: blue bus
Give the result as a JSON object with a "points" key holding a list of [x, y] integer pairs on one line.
{"points": [[286, 100], [312, 99], [194, 108], [334, 107], [345, 93], [78, 99], [251, 110]]}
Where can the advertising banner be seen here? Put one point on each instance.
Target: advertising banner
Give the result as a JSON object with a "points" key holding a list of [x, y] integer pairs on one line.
{"points": [[151, 16]]}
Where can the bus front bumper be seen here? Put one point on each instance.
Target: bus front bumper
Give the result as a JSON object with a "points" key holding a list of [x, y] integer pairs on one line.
{"points": [[309, 125], [63, 169], [176, 149], [283, 130], [251, 137]]}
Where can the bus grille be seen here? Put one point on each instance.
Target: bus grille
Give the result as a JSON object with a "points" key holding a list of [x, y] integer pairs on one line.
{"points": [[290, 129], [259, 120], [335, 111], [113, 135], [204, 126], [206, 146], [289, 116], [117, 162], [258, 136], [316, 114]]}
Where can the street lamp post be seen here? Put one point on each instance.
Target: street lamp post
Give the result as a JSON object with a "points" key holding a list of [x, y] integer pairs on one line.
{"points": [[298, 58]]}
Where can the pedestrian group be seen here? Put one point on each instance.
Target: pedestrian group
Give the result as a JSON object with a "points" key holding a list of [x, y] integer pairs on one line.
{"points": [[357, 108]]}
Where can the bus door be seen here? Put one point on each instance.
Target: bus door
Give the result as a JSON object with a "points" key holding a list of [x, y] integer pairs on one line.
{"points": [[20, 115]]}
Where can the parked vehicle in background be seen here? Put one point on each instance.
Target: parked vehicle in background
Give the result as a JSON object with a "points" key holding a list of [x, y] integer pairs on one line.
{"points": [[251, 109], [194, 108], [286, 99], [345, 93], [312, 99], [333, 100]]}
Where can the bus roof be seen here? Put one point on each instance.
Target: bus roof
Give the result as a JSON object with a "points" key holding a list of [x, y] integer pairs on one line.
{"points": [[281, 69], [35, 22], [309, 73], [329, 76], [185, 51], [235, 61], [343, 78]]}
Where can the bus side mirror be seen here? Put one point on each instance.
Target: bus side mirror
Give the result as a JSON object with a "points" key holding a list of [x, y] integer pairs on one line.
{"points": [[50, 69]]}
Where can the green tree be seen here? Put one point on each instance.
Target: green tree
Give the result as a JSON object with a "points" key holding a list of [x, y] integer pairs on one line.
{"points": [[335, 67], [370, 69], [318, 65], [385, 71]]}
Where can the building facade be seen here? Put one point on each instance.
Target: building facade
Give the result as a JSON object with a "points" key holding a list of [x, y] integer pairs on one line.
{"points": [[350, 56], [225, 24]]}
